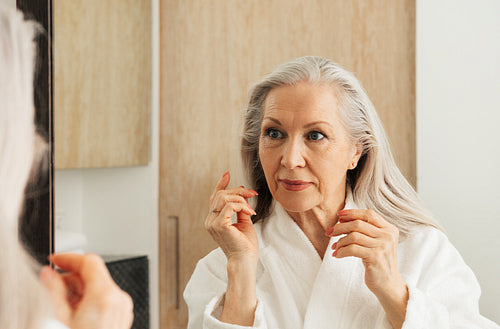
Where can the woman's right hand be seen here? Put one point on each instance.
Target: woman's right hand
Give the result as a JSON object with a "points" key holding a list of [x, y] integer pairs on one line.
{"points": [[239, 243], [238, 240]]}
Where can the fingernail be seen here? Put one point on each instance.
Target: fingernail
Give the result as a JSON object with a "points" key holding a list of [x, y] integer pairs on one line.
{"points": [[334, 246], [334, 253], [46, 274], [254, 192], [225, 174], [329, 231], [254, 213]]}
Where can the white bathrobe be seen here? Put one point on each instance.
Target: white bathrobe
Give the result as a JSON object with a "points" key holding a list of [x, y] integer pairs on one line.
{"points": [[296, 289]]}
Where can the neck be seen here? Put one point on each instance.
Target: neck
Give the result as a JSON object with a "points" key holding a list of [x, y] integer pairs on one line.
{"points": [[314, 222]]}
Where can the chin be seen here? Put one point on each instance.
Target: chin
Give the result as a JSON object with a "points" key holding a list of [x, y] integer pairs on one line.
{"points": [[295, 203]]}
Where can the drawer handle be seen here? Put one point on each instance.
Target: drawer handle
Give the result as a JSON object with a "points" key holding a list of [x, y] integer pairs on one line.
{"points": [[174, 234]]}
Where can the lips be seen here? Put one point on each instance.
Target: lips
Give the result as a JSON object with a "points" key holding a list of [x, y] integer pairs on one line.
{"points": [[294, 185]]}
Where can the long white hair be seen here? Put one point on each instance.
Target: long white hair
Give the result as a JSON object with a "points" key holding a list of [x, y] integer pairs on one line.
{"points": [[22, 300], [376, 182]]}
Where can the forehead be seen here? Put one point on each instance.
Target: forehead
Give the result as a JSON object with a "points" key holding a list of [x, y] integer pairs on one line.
{"points": [[304, 100]]}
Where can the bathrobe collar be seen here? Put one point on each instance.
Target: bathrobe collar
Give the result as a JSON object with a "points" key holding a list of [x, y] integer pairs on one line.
{"points": [[320, 286], [288, 237]]}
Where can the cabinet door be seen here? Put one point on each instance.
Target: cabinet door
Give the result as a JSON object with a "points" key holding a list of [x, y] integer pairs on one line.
{"points": [[102, 83], [211, 52]]}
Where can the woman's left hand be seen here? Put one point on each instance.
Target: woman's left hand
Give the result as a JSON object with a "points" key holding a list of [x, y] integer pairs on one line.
{"points": [[370, 237]]}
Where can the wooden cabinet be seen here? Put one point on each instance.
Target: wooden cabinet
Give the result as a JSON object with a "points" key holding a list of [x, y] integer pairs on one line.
{"points": [[101, 82], [211, 52]]}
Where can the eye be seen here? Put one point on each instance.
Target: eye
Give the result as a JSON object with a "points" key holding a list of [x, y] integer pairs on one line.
{"points": [[274, 133], [316, 136]]}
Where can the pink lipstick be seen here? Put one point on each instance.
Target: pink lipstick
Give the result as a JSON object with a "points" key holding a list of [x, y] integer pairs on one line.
{"points": [[294, 185]]}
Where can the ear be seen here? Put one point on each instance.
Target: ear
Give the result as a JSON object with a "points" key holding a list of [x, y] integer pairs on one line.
{"points": [[357, 151]]}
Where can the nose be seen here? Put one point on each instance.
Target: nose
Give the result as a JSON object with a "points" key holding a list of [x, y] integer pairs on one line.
{"points": [[293, 156]]}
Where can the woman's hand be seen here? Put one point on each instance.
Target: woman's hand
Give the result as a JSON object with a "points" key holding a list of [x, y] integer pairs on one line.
{"points": [[239, 243], [370, 237], [238, 240], [85, 296]]}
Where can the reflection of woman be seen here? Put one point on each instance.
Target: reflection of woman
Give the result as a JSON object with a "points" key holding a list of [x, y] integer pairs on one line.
{"points": [[85, 296], [339, 238]]}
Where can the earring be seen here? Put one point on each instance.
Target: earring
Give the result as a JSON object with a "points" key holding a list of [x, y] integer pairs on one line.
{"points": [[353, 165]]}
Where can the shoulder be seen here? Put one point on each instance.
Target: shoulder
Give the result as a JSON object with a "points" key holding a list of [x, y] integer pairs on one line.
{"points": [[425, 242], [427, 255], [426, 234]]}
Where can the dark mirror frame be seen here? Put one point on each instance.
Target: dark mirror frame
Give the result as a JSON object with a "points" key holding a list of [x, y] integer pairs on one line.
{"points": [[36, 224]]}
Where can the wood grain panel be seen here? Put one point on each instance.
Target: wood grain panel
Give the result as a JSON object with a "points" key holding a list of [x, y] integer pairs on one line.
{"points": [[212, 51], [102, 83]]}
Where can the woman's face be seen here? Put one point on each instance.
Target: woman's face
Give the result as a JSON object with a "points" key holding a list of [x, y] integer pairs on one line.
{"points": [[304, 148]]}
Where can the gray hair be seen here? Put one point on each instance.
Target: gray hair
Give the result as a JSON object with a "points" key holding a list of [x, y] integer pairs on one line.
{"points": [[22, 300], [376, 182]]}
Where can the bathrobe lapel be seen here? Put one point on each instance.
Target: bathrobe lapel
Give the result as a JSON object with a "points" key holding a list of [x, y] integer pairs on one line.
{"points": [[328, 293], [292, 264], [340, 298]]}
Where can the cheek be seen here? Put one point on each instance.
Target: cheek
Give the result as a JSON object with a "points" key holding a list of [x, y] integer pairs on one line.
{"points": [[265, 156], [270, 161], [330, 165]]}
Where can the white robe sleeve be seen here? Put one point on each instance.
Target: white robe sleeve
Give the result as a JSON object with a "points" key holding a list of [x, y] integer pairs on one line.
{"points": [[443, 291], [205, 292]]}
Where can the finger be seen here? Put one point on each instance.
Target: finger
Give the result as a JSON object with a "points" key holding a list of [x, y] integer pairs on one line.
{"points": [[356, 238], [367, 215], [243, 223], [224, 217], [235, 207], [244, 192], [242, 218], [221, 184], [75, 288], [239, 191], [221, 202], [53, 282], [353, 250], [222, 199], [91, 268], [223, 222], [57, 290], [355, 226]]}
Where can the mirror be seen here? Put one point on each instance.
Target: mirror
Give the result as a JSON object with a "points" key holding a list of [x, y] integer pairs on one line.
{"points": [[94, 198], [105, 195]]}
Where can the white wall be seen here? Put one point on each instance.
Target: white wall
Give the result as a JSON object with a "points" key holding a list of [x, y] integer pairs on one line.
{"points": [[8, 3], [458, 116], [117, 208]]}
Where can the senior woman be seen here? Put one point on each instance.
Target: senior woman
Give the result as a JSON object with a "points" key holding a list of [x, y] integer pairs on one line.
{"points": [[338, 238], [86, 295]]}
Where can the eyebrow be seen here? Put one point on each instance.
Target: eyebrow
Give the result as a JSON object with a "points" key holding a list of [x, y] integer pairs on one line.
{"points": [[306, 126]]}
